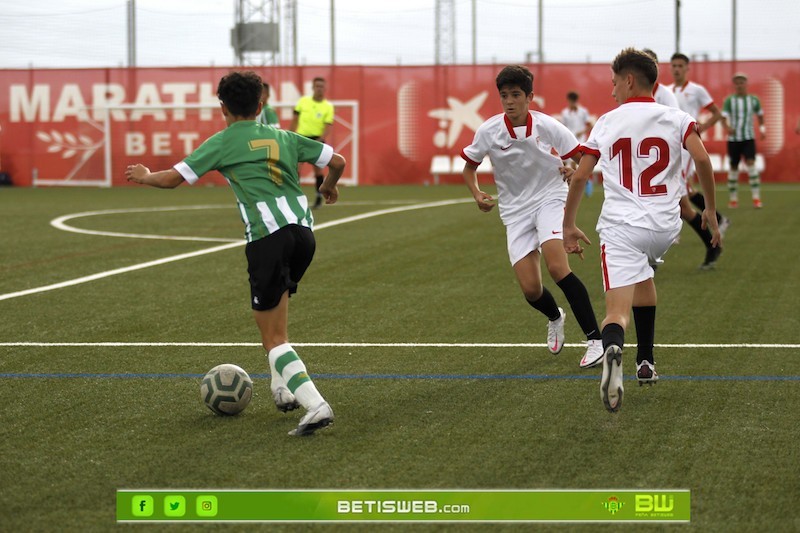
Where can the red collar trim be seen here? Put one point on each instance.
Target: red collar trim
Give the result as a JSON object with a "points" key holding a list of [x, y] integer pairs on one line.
{"points": [[510, 127], [639, 99]]}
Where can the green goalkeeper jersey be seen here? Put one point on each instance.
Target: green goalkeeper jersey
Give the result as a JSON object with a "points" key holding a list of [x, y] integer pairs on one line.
{"points": [[260, 164], [739, 111]]}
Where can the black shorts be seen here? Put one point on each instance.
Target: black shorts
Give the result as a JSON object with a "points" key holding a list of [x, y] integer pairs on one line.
{"points": [[737, 149], [276, 263]]}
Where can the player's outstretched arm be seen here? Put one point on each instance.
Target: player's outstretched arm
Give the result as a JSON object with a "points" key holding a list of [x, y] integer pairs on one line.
{"points": [[470, 174], [705, 174], [571, 232], [328, 188], [163, 179], [716, 115]]}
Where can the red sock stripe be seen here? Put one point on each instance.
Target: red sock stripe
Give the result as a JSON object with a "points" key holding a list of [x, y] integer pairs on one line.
{"points": [[605, 268]]}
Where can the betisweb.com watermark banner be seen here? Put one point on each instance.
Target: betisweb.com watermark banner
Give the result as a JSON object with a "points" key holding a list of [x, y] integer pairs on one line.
{"points": [[160, 505]]}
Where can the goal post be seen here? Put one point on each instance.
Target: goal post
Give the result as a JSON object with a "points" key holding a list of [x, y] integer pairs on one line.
{"points": [[111, 137]]}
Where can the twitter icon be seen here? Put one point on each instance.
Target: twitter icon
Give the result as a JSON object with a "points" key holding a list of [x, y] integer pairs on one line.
{"points": [[174, 506]]}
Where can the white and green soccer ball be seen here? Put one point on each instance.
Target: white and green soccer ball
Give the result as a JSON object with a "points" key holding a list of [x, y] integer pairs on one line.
{"points": [[226, 389]]}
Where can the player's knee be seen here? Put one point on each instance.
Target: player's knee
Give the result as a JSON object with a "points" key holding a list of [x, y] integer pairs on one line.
{"points": [[558, 271], [532, 291]]}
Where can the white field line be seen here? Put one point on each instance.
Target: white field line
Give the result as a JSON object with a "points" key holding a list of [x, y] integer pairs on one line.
{"points": [[60, 223], [369, 345]]}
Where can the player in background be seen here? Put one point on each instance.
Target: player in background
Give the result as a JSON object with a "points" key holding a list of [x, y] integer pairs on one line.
{"points": [[576, 118], [268, 115], [737, 117], [693, 98], [260, 164], [313, 118], [662, 94], [638, 146], [531, 194]]}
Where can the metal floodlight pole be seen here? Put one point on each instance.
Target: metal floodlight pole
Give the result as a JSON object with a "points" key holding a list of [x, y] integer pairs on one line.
{"points": [[131, 33], [333, 32], [474, 32], [733, 34], [541, 31], [677, 25]]}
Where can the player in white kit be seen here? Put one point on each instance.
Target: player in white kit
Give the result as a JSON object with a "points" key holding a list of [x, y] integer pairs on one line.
{"points": [[531, 192], [638, 147], [662, 94], [577, 120], [693, 98]]}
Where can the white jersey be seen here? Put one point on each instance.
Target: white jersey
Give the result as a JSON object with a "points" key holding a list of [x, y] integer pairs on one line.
{"points": [[639, 150], [575, 120], [526, 161], [664, 96], [692, 98]]}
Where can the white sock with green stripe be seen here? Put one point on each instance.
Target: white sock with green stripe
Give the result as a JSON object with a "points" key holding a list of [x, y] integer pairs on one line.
{"points": [[755, 183], [285, 363], [276, 380], [733, 182]]}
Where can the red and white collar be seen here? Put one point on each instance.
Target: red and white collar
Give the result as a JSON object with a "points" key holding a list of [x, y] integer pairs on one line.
{"points": [[639, 99], [528, 126]]}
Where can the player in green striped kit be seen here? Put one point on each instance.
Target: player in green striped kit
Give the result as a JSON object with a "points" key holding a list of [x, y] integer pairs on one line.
{"points": [[268, 115], [737, 116], [260, 164]]}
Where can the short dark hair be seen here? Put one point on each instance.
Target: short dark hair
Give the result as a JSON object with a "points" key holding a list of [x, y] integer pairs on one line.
{"points": [[636, 62], [318, 78], [240, 92], [651, 54], [678, 55], [516, 76], [572, 96]]}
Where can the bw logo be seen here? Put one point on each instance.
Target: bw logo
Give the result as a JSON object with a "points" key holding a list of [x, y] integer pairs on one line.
{"points": [[659, 503]]}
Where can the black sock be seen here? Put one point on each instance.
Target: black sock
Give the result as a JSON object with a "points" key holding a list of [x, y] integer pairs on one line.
{"points": [[645, 320], [578, 298], [700, 201], [546, 305], [320, 179], [697, 224], [613, 334]]}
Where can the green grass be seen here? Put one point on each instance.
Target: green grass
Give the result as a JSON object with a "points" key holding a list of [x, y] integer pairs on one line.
{"points": [[437, 275]]}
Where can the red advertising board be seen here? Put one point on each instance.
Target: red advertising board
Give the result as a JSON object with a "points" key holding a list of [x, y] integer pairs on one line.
{"points": [[56, 124]]}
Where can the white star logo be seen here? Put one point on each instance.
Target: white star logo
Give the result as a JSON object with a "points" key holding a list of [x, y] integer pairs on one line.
{"points": [[458, 115]]}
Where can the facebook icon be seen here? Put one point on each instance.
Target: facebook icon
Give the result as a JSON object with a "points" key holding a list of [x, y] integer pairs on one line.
{"points": [[142, 505]]}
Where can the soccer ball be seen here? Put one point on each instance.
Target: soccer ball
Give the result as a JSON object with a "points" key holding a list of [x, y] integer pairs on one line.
{"points": [[226, 389]]}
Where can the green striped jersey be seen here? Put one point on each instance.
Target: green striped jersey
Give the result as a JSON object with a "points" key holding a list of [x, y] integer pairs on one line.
{"points": [[269, 117], [739, 111], [260, 164]]}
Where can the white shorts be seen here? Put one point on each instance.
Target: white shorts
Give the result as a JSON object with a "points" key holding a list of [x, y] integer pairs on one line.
{"points": [[528, 233], [626, 253]]}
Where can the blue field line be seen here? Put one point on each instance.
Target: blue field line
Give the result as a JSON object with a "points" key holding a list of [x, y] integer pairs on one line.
{"points": [[86, 375]]}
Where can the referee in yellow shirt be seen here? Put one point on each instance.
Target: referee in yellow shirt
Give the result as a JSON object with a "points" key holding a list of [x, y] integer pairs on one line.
{"points": [[313, 118]]}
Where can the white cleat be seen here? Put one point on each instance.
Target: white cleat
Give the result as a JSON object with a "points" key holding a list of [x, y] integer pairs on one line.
{"points": [[611, 383], [317, 418], [593, 355], [646, 373], [284, 399], [724, 224], [555, 333]]}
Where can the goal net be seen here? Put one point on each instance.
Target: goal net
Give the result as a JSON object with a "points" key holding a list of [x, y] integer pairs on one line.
{"points": [[108, 139]]}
